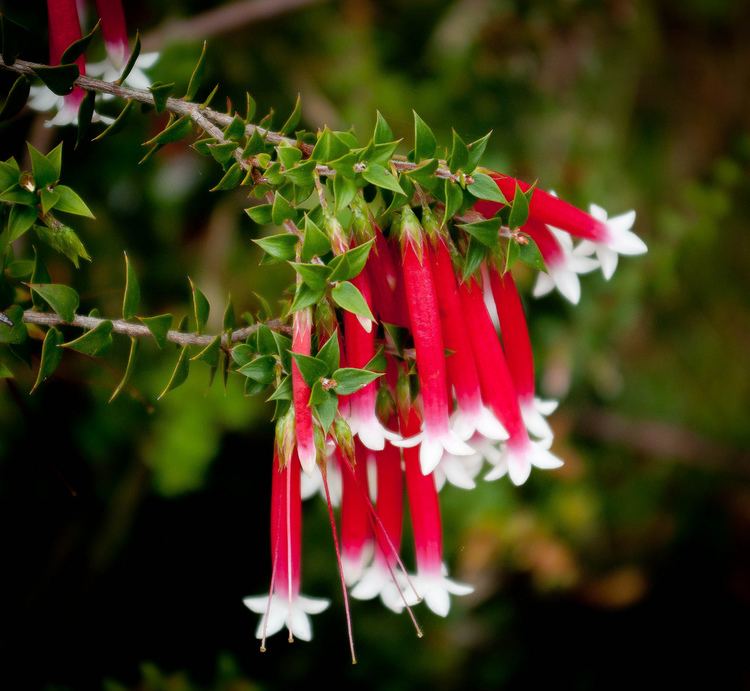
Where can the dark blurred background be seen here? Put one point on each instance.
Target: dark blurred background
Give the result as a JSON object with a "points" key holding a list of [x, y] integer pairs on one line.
{"points": [[131, 531]]}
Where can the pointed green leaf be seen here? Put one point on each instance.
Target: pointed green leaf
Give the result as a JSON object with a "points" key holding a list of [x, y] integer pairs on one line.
{"points": [[486, 232], [85, 113], [328, 147], [221, 152], [283, 348], [230, 180], [279, 246], [201, 308], [302, 175], [383, 132], [348, 297], [61, 298], [210, 354], [325, 410], [18, 195], [380, 177], [261, 214], [21, 218], [118, 124], [530, 255], [305, 296], [350, 264], [424, 174], [159, 327], [78, 48], [197, 76], [476, 151], [16, 99], [228, 321], [330, 353], [60, 79], [49, 198], [135, 345], [289, 156], [130, 64], [242, 354], [316, 243], [459, 153], [235, 130], [266, 341], [179, 374], [344, 190], [484, 187], [8, 173], [283, 391], [519, 212], [94, 341], [475, 255], [63, 239], [377, 363], [425, 143], [161, 92], [70, 203], [311, 368], [281, 210], [255, 145], [454, 199], [314, 275], [51, 356], [250, 107], [45, 171], [132, 298], [294, 117], [175, 131], [349, 380], [17, 333], [261, 369]]}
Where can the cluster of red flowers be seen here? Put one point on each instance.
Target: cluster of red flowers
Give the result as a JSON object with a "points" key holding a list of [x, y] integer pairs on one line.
{"points": [[457, 395]]}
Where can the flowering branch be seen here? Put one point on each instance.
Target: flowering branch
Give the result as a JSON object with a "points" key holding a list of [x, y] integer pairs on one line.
{"points": [[126, 328], [193, 110]]}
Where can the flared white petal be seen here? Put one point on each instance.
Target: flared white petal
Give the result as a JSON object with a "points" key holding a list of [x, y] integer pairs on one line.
{"points": [[282, 611], [436, 590], [517, 463]]}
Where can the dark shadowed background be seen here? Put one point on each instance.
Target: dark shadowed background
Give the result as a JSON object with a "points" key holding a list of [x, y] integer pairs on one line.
{"points": [[131, 531]]}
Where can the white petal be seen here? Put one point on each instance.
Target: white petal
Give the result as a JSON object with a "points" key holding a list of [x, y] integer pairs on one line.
{"points": [[137, 79], [489, 426], [299, 623], [541, 458], [456, 472], [307, 456], [585, 248], [457, 588], [313, 605], [597, 212], [256, 603], [519, 468], [430, 453], [608, 260], [581, 264], [546, 406], [370, 585], [452, 444], [147, 60], [437, 599], [568, 284], [535, 422], [408, 443], [543, 286]]}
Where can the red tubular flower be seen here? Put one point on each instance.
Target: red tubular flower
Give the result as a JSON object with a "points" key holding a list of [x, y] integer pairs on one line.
{"points": [[356, 533], [303, 423], [608, 237], [285, 606], [360, 349], [436, 435], [431, 581], [115, 30], [499, 392], [471, 415], [517, 347], [64, 29], [388, 298]]}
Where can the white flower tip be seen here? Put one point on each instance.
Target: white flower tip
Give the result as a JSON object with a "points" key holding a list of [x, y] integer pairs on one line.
{"points": [[409, 442], [535, 421], [544, 285], [568, 284], [282, 611], [307, 456], [365, 323], [489, 426], [436, 591], [430, 453]]}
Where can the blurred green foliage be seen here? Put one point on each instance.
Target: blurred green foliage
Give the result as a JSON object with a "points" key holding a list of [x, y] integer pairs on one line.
{"points": [[582, 575]]}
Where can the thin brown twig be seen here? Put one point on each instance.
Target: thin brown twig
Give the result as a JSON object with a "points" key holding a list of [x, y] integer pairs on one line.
{"points": [[187, 108], [126, 328]]}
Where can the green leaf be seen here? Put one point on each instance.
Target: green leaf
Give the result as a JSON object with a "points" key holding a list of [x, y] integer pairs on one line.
{"points": [[16, 99], [250, 107], [85, 113], [70, 203], [197, 76], [201, 308], [92, 342], [135, 346], [235, 130], [380, 177], [349, 380], [230, 179], [350, 264], [283, 348], [61, 298], [476, 151], [424, 174], [329, 353], [8, 173], [279, 246], [484, 187], [348, 297], [266, 341], [344, 190], [222, 152], [12, 36], [383, 132], [178, 129], [261, 214], [63, 239], [326, 409], [305, 296], [45, 171], [118, 124], [281, 210], [377, 362], [20, 268], [131, 60], [425, 143], [454, 199], [519, 212], [294, 117], [328, 147], [49, 198], [159, 326], [78, 48], [39, 275], [255, 145], [289, 155], [18, 195], [161, 92], [459, 153], [13, 335], [530, 255], [132, 298], [242, 354], [283, 391], [316, 243], [51, 356], [486, 232], [210, 354], [314, 275], [302, 174], [261, 369], [5, 371], [475, 255], [228, 320], [311, 368], [21, 218], [209, 99], [60, 79], [179, 374]]}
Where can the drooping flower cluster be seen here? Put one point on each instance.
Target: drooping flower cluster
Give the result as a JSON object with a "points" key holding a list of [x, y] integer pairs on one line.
{"points": [[64, 30], [429, 389]]}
